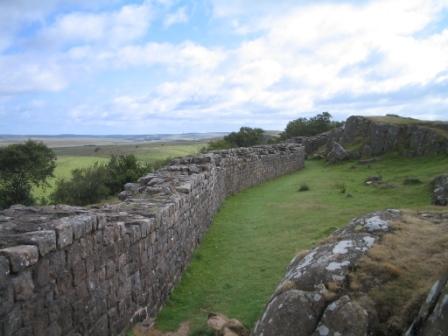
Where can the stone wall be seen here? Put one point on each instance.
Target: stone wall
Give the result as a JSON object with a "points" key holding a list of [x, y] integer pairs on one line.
{"points": [[77, 271]]}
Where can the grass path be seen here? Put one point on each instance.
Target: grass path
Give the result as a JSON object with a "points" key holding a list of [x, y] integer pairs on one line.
{"points": [[257, 232]]}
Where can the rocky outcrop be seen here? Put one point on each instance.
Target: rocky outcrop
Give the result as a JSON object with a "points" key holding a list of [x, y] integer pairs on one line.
{"points": [[322, 292], [77, 271], [440, 190], [432, 319], [311, 296], [373, 136]]}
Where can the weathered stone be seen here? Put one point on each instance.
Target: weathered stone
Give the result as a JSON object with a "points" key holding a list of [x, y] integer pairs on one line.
{"points": [[64, 233], [337, 154], [440, 190], [432, 318], [290, 312], [23, 286], [4, 271], [343, 317], [45, 240], [21, 256]]}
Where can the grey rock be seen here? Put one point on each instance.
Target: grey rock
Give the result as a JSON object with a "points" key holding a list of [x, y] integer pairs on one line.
{"points": [[337, 153], [343, 317], [21, 256], [440, 190], [290, 312], [23, 286]]}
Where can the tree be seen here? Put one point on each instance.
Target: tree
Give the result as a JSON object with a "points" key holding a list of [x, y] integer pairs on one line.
{"points": [[23, 166], [122, 169], [245, 137], [308, 127]]}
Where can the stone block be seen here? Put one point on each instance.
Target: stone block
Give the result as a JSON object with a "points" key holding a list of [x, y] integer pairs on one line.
{"points": [[21, 256], [45, 240], [64, 234]]}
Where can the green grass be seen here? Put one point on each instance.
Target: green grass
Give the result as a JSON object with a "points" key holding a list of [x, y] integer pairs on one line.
{"points": [[70, 158], [257, 232]]}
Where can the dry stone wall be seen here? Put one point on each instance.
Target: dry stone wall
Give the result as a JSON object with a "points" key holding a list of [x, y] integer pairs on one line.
{"points": [[77, 271]]}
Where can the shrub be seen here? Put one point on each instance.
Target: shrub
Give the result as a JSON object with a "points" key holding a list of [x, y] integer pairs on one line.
{"points": [[308, 127], [122, 169], [87, 186], [98, 182], [304, 187], [245, 137]]}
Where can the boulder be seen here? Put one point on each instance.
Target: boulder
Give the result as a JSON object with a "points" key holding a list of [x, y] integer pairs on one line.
{"points": [[289, 312], [337, 153], [440, 190], [343, 317]]}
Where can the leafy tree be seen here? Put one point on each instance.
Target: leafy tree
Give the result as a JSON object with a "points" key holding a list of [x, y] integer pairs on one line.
{"points": [[122, 169], [21, 167], [245, 137], [308, 127]]}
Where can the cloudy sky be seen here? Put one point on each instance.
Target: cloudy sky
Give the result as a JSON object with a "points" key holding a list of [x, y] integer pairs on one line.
{"points": [[172, 66]]}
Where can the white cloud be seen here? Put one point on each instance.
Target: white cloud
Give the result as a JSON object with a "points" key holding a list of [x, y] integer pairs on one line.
{"points": [[128, 23], [323, 56], [178, 16]]}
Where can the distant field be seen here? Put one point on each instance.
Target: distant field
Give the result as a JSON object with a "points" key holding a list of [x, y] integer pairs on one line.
{"points": [[72, 157]]}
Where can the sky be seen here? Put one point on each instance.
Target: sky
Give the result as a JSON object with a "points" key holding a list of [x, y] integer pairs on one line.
{"points": [[172, 66]]}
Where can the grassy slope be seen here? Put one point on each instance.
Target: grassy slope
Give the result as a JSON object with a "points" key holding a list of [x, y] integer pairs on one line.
{"points": [[258, 231], [70, 158]]}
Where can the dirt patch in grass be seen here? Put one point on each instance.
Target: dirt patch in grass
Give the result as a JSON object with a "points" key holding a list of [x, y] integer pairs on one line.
{"points": [[398, 272]]}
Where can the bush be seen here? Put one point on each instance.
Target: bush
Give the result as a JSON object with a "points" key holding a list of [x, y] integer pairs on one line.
{"points": [[87, 186], [304, 187], [245, 137], [308, 127], [100, 181], [122, 169]]}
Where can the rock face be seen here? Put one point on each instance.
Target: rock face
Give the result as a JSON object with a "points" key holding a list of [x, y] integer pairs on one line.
{"points": [[376, 137], [310, 297], [440, 190], [432, 319], [77, 271], [367, 137]]}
